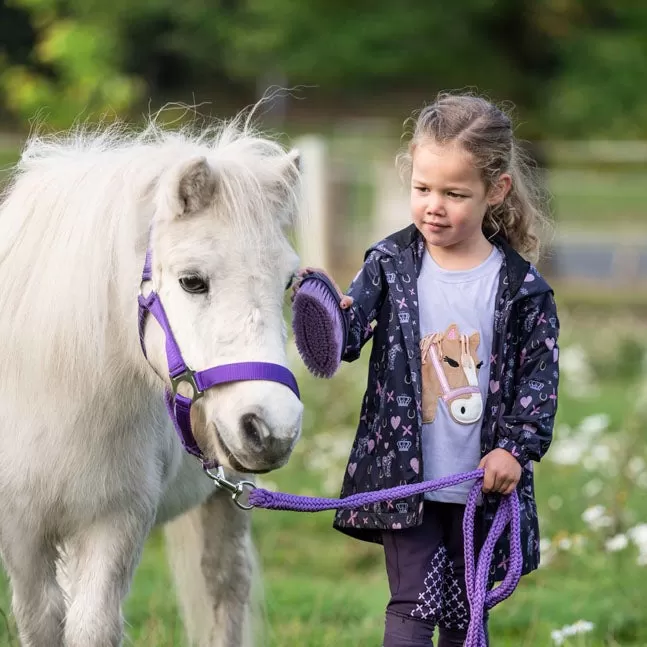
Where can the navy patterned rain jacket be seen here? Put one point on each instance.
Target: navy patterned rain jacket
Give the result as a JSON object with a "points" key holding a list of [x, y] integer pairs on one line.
{"points": [[521, 402]]}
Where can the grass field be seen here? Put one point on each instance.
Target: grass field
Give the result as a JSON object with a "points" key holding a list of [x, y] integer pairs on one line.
{"points": [[325, 590]]}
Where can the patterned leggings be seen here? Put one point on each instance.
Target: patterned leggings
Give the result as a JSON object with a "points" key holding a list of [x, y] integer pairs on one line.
{"points": [[426, 571]]}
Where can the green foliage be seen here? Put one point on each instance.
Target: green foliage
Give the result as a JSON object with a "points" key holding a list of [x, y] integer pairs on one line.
{"points": [[597, 93], [75, 69], [572, 67]]}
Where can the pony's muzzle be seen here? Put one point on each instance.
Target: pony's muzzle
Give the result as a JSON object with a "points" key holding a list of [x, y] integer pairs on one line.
{"points": [[467, 410], [262, 446]]}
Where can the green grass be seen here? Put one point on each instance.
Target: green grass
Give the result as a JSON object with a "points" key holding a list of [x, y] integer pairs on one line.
{"points": [[323, 589]]}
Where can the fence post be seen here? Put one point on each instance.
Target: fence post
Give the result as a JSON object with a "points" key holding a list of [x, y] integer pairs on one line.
{"points": [[313, 240]]}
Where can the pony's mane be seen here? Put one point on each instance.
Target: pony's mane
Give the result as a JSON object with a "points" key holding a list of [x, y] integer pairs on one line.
{"points": [[77, 200]]}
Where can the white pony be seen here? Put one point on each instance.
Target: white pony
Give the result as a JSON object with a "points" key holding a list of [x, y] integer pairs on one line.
{"points": [[89, 460]]}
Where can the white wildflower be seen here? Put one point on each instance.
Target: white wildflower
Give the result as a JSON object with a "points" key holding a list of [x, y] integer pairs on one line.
{"points": [[596, 517], [547, 552], [545, 545], [616, 543], [592, 514], [580, 627], [576, 370], [601, 454], [568, 451], [638, 534], [594, 425], [635, 467], [565, 544]]}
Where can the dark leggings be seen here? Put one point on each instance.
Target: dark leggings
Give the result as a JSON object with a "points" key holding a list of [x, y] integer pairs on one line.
{"points": [[426, 570]]}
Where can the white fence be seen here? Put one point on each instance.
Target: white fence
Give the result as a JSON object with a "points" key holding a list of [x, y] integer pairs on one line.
{"points": [[353, 197]]}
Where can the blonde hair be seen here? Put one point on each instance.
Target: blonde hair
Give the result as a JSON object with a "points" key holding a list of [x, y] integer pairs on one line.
{"points": [[486, 133]]}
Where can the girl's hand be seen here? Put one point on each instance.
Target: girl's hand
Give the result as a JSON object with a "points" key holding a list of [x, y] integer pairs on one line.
{"points": [[502, 471], [344, 301]]}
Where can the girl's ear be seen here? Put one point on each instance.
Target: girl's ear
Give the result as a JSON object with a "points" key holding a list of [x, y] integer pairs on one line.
{"points": [[500, 190]]}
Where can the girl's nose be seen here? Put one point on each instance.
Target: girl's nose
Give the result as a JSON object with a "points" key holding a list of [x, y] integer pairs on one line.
{"points": [[435, 204]]}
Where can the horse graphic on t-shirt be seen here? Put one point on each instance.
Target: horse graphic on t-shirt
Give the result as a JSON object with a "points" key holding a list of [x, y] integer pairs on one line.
{"points": [[450, 372]]}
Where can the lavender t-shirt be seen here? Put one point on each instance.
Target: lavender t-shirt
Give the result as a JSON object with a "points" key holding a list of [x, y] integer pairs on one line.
{"points": [[456, 323]]}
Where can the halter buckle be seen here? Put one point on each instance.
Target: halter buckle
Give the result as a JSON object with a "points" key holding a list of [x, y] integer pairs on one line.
{"points": [[186, 377]]}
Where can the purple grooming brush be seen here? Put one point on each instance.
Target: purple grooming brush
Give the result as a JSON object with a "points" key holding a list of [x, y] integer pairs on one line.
{"points": [[320, 325]]}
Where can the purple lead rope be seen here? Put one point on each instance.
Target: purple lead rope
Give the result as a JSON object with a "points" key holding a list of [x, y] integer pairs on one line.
{"points": [[476, 575]]}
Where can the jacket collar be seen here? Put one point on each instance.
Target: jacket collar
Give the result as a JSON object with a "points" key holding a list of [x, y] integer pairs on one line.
{"points": [[516, 267]]}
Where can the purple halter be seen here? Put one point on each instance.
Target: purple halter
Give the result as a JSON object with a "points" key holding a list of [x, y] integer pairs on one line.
{"points": [[178, 405]]}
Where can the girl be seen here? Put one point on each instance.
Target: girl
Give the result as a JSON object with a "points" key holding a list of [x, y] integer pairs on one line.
{"points": [[464, 365]]}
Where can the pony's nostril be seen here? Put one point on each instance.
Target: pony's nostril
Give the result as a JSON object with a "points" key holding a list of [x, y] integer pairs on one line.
{"points": [[253, 428]]}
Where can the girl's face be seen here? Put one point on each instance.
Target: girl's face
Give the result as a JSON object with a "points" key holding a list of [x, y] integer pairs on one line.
{"points": [[448, 196]]}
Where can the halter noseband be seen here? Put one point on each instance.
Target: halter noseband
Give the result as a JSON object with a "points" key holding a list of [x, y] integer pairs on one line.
{"points": [[178, 405]]}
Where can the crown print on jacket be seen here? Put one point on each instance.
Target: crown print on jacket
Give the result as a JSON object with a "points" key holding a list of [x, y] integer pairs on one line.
{"points": [[450, 373]]}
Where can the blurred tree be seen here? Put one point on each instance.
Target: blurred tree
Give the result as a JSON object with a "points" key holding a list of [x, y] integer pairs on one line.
{"points": [[74, 67], [16, 34], [600, 88], [364, 46], [573, 67]]}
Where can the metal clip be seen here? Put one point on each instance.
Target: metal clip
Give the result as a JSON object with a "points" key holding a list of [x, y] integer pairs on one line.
{"points": [[235, 489], [186, 377]]}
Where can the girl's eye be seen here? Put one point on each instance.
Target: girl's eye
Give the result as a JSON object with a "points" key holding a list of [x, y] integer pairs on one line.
{"points": [[421, 189], [453, 194], [194, 284]]}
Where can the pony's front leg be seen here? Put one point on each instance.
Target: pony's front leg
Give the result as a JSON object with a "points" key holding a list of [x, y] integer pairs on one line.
{"points": [[38, 604], [100, 566], [211, 557]]}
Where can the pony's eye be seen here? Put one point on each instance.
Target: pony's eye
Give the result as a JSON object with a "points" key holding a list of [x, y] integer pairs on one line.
{"points": [[479, 365], [290, 281], [194, 284]]}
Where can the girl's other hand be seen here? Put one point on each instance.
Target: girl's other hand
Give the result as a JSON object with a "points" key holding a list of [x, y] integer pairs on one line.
{"points": [[502, 471]]}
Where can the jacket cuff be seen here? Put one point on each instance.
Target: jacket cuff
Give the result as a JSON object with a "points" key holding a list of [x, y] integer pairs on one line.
{"points": [[515, 449]]}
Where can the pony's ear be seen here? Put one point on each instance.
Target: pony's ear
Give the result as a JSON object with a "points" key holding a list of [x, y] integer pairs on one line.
{"points": [[294, 157], [452, 333], [284, 188], [291, 169], [196, 185], [475, 340]]}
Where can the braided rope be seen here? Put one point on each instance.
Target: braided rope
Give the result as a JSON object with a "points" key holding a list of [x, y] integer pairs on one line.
{"points": [[476, 575]]}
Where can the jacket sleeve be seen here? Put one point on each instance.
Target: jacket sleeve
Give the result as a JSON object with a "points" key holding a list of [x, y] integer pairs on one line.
{"points": [[526, 431], [368, 291]]}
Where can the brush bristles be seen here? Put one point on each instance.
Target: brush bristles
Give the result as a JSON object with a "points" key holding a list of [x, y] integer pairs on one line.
{"points": [[318, 328]]}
